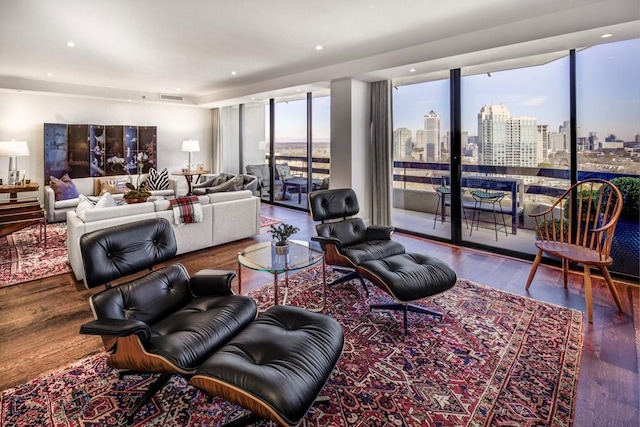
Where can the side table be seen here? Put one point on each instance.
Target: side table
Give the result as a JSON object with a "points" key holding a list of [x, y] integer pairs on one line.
{"points": [[262, 257], [188, 175], [13, 190]]}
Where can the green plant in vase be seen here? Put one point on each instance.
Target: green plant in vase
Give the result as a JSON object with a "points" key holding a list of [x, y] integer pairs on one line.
{"points": [[281, 233]]}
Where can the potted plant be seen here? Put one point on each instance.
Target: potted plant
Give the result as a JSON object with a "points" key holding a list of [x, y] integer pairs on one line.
{"points": [[138, 192], [280, 234]]}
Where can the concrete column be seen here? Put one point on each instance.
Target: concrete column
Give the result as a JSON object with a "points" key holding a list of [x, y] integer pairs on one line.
{"points": [[350, 140]]}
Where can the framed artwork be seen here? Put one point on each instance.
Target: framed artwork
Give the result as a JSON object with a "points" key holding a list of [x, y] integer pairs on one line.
{"points": [[78, 150], [55, 150], [97, 139], [96, 150]]}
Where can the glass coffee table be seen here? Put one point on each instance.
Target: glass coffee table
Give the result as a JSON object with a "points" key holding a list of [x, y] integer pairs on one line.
{"points": [[301, 255]]}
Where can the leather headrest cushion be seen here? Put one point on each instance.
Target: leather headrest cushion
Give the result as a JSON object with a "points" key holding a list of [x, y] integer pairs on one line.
{"points": [[332, 204], [118, 251]]}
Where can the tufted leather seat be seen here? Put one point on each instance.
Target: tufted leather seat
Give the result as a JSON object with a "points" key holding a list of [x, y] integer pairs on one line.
{"points": [[167, 322], [284, 348], [370, 251]]}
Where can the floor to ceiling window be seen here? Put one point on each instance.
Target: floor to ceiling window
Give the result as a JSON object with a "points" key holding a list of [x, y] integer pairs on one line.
{"points": [[290, 150], [421, 152], [608, 116], [516, 115], [321, 141]]}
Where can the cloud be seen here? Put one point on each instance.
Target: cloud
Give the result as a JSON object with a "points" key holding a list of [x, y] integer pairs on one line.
{"points": [[534, 102]]}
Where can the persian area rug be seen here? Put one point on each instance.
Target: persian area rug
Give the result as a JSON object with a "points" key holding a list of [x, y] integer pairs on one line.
{"points": [[494, 359], [23, 257], [266, 221]]}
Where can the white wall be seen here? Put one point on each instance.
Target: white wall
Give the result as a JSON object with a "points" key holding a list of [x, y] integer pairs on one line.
{"points": [[23, 114], [350, 140]]}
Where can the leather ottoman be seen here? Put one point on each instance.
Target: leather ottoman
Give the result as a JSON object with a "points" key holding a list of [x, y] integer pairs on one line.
{"points": [[409, 277], [276, 366]]}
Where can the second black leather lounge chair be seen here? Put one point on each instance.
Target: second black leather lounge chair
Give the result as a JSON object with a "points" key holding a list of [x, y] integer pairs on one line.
{"points": [[346, 241], [168, 323]]}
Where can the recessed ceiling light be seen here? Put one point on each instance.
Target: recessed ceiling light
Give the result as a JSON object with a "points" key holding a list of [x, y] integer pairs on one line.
{"points": [[319, 47], [412, 70], [50, 74], [253, 97], [177, 89], [71, 43], [297, 90], [233, 73], [606, 36]]}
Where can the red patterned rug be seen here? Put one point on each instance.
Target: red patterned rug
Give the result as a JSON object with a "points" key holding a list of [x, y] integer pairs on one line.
{"points": [[266, 221], [23, 257], [494, 359]]}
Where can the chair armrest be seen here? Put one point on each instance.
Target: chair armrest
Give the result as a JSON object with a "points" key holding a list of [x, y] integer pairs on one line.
{"points": [[117, 328], [379, 232], [327, 241], [212, 282]]}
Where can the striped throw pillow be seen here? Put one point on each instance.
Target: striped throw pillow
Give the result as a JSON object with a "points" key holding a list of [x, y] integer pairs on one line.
{"points": [[158, 180]]}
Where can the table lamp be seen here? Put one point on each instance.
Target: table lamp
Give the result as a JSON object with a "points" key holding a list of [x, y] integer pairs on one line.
{"points": [[190, 145], [13, 149]]}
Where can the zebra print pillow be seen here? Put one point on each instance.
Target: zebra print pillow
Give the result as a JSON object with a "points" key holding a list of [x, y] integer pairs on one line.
{"points": [[158, 180]]}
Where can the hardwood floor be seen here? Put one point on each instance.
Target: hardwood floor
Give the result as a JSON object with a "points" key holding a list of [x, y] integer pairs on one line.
{"points": [[40, 320]]}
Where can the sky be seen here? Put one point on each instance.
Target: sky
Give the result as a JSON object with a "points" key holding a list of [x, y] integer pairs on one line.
{"points": [[608, 94]]}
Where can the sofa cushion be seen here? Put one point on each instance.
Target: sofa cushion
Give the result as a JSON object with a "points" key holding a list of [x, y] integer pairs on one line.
{"points": [[98, 214], [69, 203], [63, 188], [158, 180], [228, 196]]}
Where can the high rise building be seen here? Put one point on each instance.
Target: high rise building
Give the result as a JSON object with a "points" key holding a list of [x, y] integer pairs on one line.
{"points": [[542, 143], [432, 136], [402, 143], [506, 140]]}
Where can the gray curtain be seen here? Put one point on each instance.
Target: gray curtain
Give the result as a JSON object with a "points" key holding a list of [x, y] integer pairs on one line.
{"points": [[381, 153], [216, 141]]}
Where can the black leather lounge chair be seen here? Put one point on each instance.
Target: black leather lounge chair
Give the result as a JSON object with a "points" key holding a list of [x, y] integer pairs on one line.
{"points": [[371, 253], [169, 323]]}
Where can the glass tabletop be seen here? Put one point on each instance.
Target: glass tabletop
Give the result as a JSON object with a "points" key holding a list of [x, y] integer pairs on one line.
{"points": [[263, 256]]}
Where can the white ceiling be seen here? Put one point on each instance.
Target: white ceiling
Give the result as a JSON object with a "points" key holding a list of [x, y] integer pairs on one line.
{"points": [[144, 48]]}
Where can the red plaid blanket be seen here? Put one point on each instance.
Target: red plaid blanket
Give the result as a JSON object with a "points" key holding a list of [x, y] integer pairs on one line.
{"points": [[186, 210]]}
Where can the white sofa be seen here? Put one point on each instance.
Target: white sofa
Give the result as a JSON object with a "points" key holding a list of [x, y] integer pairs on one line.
{"points": [[227, 217], [57, 210]]}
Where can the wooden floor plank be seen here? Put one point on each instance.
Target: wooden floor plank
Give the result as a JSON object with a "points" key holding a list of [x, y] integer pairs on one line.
{"points": [[40, 320]]}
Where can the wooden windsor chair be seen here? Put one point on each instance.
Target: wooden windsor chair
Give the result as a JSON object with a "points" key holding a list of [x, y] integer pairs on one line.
{"points": [[579, 227]]}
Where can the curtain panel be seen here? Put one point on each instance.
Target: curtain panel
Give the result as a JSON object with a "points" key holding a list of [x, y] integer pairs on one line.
{"points": [[216, 141], [381, 158]]}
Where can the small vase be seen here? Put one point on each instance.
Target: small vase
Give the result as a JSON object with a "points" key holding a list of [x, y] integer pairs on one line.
{"points": [[282, 249]]}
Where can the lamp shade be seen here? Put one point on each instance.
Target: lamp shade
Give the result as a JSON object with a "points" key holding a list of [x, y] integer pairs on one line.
{"points": [[190, 145], [13, 148]]}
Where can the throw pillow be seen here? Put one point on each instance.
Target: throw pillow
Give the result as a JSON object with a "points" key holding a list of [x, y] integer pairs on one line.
{"points": [[158, 180], [64, 188], [284, 171], [85, 204], [113, 186]]}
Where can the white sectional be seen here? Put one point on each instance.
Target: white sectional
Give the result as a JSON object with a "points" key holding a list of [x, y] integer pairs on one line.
{"points": [[57, 210], [226, 217]]}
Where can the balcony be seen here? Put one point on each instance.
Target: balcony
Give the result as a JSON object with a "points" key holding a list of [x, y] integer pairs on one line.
{"points": [[527, 190]]}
